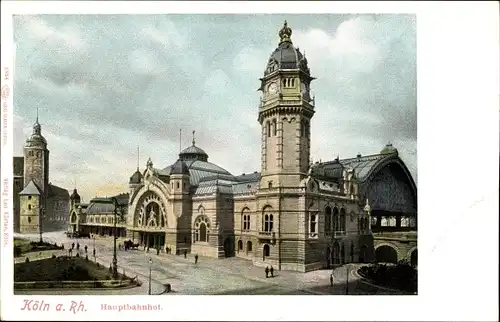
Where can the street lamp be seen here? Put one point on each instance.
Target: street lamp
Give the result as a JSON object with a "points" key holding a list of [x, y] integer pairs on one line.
{"points": [[93, 238], [150, 266], [115, 212], [40, 222], [347, 280]]}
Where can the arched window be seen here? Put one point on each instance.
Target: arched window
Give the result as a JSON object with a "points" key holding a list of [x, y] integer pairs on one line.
{"points": [[342, 219], [245, 220], [268, 222], [275, 127], [240, 245], [293, 82], [302, 129], [313, 224], [335, 219], [267, 250], [270, 185], [201, 229], [29, 220], [268, 128], [29, 207], [384, 222], [249, 246], [328, 221]]}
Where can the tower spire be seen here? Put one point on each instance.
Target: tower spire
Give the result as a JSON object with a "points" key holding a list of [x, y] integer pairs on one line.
{"points": [[137, 157], [37, 114], [180, 140], [193, 138]]}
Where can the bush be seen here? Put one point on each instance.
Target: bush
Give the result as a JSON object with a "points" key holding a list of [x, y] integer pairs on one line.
{"points": [[17, 251], [27, 260]]}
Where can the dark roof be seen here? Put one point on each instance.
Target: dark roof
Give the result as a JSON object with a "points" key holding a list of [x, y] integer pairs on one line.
{"points": [[389, 149], [31, 189], [55, 191], [179, 167], [286, 56], [248, 177], [105, 204], [18, 164], [199, 169], [136, 177], [193, 153]]}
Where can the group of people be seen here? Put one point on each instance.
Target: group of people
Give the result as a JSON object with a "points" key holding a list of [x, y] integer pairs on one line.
{"points": [[70, 250], [269, 270]]}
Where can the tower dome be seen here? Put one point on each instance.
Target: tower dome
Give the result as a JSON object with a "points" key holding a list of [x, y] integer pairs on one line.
{"points": [[75, 196], [179, 167], [136, 178], [36, 138], [286, 56], [389, 149], [193, 153]]}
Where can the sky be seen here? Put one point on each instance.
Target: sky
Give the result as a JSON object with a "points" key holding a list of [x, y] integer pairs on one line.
{"points": [[105, 84]]}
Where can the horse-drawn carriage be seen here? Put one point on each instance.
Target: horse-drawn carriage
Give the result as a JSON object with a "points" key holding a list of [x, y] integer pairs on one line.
{"points": [[130, 245]]}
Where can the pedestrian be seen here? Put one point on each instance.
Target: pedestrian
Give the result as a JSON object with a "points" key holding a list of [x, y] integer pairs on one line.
{"points": [[185, 253], [147, 250], [196, 258], [331, 280], [78, 246], [272, 271], [267, 272], [70, 251], [94, 252], [73, 245], [158, 250], [86, 248]]}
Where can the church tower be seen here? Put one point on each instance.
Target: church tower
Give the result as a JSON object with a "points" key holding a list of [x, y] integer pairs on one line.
{"points": [[36, 160], [285, 113]]}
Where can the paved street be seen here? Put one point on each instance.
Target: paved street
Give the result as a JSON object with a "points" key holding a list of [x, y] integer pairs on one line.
{"points": [[215, 276]]}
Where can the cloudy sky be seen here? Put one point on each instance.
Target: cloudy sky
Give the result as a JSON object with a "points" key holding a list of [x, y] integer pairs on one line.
{"points": [[107, 83]]}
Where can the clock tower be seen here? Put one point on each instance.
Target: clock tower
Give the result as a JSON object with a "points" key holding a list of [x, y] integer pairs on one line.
{"points": [[285, 113]]}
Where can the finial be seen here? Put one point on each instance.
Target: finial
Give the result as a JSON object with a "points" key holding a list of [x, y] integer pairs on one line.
{"points": [[193, 138], [285, 33], [149, 164]]}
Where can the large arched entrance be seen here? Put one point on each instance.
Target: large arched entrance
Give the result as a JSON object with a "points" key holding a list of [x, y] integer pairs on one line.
{"points": [[413, 258], [386, 254]]}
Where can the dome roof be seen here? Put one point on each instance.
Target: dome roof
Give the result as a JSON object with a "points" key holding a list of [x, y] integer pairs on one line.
{"points": [[36, 138], [286, 56], [179, 167], [389, 149], [193, 153], [75, 195], [136, 178]]}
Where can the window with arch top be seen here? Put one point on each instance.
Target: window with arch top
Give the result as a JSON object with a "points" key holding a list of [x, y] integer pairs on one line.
{"points": [[342, 219], [268, 128], [245, 222], [328, 221], [313, 224], [201, 229], [275, 127], [335, 219], [268, 221]]}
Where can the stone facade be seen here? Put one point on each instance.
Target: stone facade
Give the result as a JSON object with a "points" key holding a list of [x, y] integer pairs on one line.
{"points": [[293, 215], [43, 200]]}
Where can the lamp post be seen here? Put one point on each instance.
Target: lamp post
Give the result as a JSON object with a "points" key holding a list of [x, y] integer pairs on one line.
{"points": [[40, 223], [150, 266], [93, 238], [115, 212], [347, 280]]}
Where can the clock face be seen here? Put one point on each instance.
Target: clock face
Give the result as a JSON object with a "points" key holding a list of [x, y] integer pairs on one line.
{"points": [[273, 88]]}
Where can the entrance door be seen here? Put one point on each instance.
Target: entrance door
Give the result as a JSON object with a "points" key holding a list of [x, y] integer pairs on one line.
{"points": [[228, 247]]}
